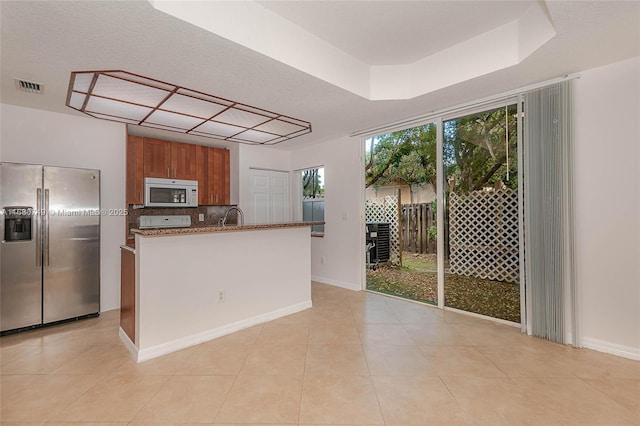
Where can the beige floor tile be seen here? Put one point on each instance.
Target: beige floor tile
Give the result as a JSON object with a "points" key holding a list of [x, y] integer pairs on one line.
{"points": [[334, 334], [276, 360], [215, 359], [397, 360], [187, 399], [339, 400], [299, 318], [390, 334], [41, 360], [332, 315], [416, 400], [39, 397], [85, 424], [523, 361], [98, 360], [284, 334], [460, 361], [164, 365], [262, 399], [440, 334], [116, 399], [374, 315], [490, 334], [243, 337], [336, 360], [589, 364], [625, 392], [11, 353]]}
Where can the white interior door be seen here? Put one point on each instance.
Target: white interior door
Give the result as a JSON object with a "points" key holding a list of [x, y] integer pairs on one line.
{"points": [[269, 192]]}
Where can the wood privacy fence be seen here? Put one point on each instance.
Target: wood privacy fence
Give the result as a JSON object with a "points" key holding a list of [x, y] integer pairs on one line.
{"points": [[416, 221]]}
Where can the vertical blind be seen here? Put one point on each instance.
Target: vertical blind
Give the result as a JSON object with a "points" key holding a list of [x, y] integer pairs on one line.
{"points": [[548, 207]]}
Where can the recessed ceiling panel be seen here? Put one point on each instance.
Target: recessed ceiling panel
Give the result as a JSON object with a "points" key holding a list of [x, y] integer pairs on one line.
{"points": [[116, 109], [135, 99], [173, 120], [279, 127], [255, 136], [242, 118], [192, 106], [128, 91], [219, 129]]}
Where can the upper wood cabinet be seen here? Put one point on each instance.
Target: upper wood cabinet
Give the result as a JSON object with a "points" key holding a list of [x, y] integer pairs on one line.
{"points": [[183, 161], [213, 176], [167, 159], [157, 158], [148, 157], [135, 170]]}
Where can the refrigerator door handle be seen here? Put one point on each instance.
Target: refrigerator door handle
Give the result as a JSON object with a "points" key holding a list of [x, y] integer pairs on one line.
{"points": [[46, 229], [38, 230]]}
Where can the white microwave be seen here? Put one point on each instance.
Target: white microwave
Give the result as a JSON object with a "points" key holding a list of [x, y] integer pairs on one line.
{"points": [[170, 193]]}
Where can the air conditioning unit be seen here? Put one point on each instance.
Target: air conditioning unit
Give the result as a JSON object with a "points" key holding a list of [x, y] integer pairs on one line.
{"points": [[377, 241]]}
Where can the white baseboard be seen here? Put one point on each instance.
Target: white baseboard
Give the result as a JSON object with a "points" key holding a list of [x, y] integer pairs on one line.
{"points": [[195, 339], [131, 347], [610, 348], [336, 283]]}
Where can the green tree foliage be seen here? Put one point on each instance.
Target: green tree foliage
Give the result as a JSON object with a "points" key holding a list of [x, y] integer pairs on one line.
{"points": [[406, 157], [475, 153], [312, 185], [475, 150]]}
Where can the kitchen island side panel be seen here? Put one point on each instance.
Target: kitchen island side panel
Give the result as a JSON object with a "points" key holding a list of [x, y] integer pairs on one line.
{"points": [[191, 285]]}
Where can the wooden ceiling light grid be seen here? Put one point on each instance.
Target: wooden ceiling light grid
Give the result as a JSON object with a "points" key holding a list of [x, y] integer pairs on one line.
{"points": [[125, 97]]}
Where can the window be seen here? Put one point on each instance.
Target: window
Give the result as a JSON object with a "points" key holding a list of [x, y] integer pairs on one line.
{"points": [[311, 197]]}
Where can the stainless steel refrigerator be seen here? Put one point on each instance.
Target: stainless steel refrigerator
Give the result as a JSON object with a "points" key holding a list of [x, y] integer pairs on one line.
{"points": [[50, 249]]}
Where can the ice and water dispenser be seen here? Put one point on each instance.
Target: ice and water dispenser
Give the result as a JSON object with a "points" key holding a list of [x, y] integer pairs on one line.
{"points": [[18, 223]]}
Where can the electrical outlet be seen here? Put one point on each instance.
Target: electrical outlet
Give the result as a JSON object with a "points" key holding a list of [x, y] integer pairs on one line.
{"points": [[201, 217], [221, 296]]}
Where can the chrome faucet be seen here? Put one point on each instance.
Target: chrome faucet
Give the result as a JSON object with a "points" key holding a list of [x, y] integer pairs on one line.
{"points": [[223, 221]]}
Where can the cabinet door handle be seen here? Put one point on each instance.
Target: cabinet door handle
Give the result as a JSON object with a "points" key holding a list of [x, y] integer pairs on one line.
{"points": [[216, 198], [168, 174], [140, 196], [174, 172]]}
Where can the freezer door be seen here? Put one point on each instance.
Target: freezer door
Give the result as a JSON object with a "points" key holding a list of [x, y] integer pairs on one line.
{"points": [[20, 260], [71, 243]]}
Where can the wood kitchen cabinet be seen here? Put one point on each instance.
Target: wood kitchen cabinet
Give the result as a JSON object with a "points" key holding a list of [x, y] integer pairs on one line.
{"points": [[128, 292], [183, 161], [135, 170], [213, 176], [167, 159]]}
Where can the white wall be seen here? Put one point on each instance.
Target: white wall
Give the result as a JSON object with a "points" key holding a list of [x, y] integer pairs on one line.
{"points": [[180, 307], [342, 244], [42, 137], [607, 206]]}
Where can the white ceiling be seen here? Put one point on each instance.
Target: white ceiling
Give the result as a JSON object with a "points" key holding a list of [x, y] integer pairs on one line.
{"points": [[45, 41], [396, 32]]}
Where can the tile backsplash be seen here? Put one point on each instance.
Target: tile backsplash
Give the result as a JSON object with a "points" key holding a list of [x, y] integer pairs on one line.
{"points": [[212, 215]]}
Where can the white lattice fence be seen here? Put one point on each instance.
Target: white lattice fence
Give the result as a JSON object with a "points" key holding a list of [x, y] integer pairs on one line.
{"points": [[483, 235], [386, 211]]}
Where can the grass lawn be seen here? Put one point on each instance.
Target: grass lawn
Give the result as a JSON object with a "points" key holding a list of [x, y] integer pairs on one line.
{"points": [[417, 280]]}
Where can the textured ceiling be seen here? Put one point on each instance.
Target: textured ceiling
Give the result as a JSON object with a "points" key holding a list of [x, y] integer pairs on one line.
{"points": [[396, 32], [46, 41]]}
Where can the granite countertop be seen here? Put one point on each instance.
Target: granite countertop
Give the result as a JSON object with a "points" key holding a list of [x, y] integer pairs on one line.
{"points": [[205, 229]]}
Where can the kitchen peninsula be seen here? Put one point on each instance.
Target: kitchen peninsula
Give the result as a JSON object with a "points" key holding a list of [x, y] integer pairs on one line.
{"points": [[195, 284]]}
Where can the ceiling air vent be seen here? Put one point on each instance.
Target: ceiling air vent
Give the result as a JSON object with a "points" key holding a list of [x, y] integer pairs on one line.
{"points": [[29, 86]]}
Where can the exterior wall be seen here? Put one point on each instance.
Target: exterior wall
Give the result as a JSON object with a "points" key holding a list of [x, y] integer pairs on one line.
{"points": [[607, 206], [42, 137]]}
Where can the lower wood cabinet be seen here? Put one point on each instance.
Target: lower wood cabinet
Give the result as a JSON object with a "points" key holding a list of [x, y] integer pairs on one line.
{"points": [[128, 293]]}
